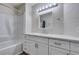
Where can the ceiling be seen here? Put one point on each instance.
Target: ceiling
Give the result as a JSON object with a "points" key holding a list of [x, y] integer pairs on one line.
{"points": [[18, 4], [31, 4], [14, 4]]}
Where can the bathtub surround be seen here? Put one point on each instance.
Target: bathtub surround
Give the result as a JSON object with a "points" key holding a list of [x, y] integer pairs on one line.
{"points": [[11, 47]]}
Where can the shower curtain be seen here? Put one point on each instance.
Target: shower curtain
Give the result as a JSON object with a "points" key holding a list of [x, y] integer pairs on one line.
{"points": [[6, 25]]}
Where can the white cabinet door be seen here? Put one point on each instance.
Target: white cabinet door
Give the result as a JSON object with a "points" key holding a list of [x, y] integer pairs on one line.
{"points": [[29, 47], [57, 51], [74, 46], [35, 48], [42, 49]]}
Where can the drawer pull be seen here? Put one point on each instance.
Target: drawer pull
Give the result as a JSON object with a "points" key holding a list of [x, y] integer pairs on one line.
{"points": [[57, 43], [68, 54], [25, 48], [36, 45]]}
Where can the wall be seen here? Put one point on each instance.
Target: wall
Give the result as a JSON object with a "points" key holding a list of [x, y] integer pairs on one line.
{"points": [[68, 23], [28, 18], [71, 19], [57, 20], [21, 22]]}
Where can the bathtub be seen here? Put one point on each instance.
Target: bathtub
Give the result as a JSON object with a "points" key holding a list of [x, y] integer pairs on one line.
{"points": [[13, 47]]}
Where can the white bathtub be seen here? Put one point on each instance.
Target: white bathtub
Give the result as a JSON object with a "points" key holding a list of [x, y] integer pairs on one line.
{"points": [[12, 47]]}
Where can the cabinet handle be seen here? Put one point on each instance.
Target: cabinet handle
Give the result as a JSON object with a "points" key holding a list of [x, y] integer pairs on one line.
{"points": [[56, 43], [36, 45], [68, 54], [25, 48]]}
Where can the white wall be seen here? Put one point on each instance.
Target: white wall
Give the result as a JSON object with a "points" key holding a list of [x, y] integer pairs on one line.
{"points": [[56, 25], [68, 25], [71, 19], [28, 18], [21, 22]]}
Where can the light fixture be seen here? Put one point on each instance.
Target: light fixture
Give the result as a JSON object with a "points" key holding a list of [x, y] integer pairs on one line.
{"points": [[54, 4], [37, 10], [46, 6], [40, 9], [43, 7], [49, 6]]}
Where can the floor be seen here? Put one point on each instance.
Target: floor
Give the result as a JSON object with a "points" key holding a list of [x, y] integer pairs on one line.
{"points": [[23, 53]]}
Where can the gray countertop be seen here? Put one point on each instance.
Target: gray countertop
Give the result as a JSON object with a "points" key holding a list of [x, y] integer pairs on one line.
{"points": [[63, 37]]}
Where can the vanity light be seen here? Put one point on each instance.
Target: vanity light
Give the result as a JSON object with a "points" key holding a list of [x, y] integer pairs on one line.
{"points": [[43, 8], [46, 6], [54, 4], [40, 9], [37, 10], [49, 6]]}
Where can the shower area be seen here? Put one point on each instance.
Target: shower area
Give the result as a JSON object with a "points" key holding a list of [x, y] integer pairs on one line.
{"points": [[11, 28]]}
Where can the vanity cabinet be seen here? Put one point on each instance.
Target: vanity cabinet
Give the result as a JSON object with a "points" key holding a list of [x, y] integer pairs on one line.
{"points": [[58, 47], [37, 39], [59, 43], [29, 47], [57, 51], [74, 47], [42, 49], [35, 45], [74, 53]]}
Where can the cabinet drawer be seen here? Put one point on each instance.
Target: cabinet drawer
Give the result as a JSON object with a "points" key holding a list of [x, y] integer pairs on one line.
{"points": [[59, 43], [74, 53], [74, 46], [57, 51], [36, 38]]}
